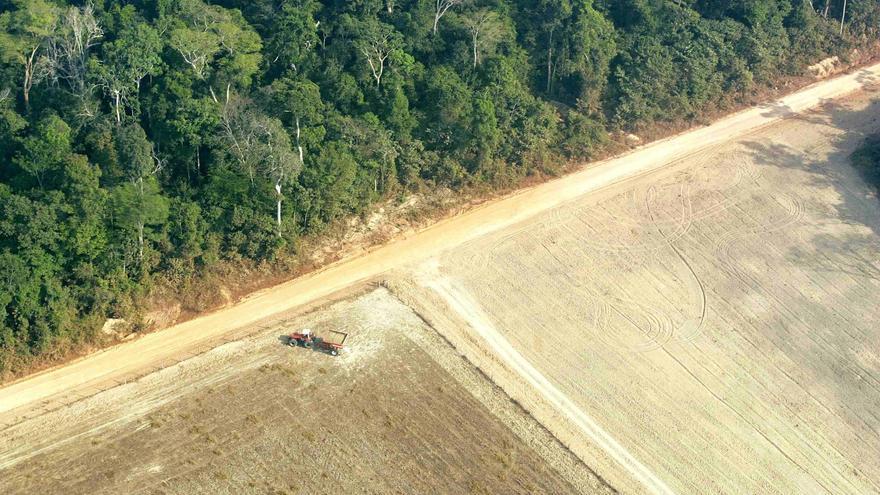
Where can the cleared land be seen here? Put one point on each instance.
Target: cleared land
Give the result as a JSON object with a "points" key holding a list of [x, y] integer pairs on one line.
{"points": [[714, 329], [709, 326], [99, 371], [399, 413]]}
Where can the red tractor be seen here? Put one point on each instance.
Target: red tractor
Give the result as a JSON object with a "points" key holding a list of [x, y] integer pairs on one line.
{"points": [[305, 339]]}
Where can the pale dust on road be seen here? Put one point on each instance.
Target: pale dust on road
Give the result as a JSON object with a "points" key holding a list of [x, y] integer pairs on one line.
{"points": [[97, 372]]}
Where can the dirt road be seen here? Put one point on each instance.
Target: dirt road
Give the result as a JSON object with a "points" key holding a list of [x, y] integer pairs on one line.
{"points": [[103, 369]]}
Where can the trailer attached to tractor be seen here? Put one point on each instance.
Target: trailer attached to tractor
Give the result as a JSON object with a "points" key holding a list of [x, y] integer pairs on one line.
{"points": [[306, 339]]}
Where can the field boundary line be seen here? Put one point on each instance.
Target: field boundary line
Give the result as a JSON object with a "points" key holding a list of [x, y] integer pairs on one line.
{"points": [[469, 310]]}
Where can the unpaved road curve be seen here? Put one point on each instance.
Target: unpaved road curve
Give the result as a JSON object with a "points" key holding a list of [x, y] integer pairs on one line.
{"points": [[102, 369]]}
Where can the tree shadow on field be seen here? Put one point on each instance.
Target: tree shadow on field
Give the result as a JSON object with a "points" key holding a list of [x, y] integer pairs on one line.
{"points": [[776, 109], [858, 198], [828, 329]]}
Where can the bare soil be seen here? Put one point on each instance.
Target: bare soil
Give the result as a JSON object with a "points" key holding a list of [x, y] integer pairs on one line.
{"points": [[712, 328], [397, 412]]}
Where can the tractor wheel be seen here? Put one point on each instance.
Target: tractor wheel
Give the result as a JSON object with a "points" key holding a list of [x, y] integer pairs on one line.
{"points": [[334, 352]]}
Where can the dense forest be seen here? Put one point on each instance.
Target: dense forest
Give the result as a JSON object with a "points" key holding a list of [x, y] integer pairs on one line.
{"points": [[158, 138]]}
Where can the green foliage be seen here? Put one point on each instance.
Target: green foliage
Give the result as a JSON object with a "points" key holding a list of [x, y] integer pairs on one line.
{"points": [[44, 150], [187, 132]]}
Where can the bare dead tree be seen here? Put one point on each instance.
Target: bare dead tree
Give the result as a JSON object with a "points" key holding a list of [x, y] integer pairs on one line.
{"points": [[842, 17], [241, 129], [377, 49], [67, 51], [280, 164], [485, 30], [441, 8], [261, 146]]}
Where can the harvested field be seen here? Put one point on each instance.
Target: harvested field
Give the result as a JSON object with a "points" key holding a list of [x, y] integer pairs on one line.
{"points": [[400, 412], [713, 328]]}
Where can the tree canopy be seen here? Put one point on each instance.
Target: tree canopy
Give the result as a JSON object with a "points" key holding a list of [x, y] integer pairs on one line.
{"points": [[147, 138]]}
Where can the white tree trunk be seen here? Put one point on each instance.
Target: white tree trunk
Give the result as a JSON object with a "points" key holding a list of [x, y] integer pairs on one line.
{"points": [[116, 97], [29, 77], [475, 49], [298, 145], [141, 221], [141, 241], [842, 17], [278, 205]]}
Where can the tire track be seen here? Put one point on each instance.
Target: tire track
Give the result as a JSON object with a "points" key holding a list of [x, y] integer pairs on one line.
{"points": [[469, 310], [691, 334], [794, 213]]}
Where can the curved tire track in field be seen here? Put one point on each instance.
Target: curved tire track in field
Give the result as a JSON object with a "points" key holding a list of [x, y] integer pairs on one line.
{"points": [[794, 213], [697, 323], [682, 226], [469, 310], [657, 328]]}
